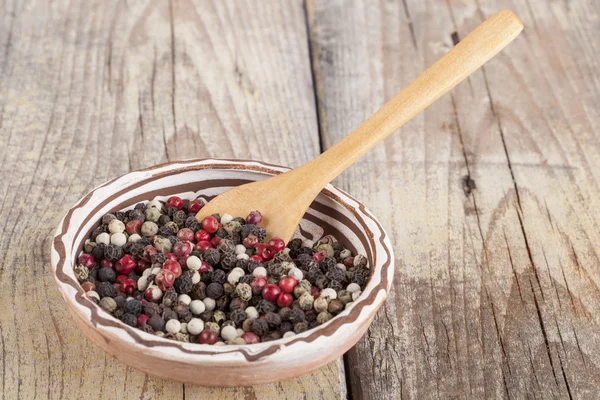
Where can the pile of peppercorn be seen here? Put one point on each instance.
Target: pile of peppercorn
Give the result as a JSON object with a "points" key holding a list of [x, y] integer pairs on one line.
{"points": [[157, 268]]}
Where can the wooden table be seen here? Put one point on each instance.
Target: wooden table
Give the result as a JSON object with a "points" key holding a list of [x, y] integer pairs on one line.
{"points": [[491, 195]]}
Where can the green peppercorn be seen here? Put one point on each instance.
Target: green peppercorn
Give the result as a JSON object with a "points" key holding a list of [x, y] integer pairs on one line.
{"points": [[149, 228], [213, 326], [244, 291], [324, 317], [344, 296], [219, 316], [162, 244], [108, 304], [306, 301], [320, 304], [81, 272], [152, 214]]}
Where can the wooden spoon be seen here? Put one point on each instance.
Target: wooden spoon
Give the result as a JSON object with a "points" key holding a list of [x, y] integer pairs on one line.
{"points": [[283, 199]]}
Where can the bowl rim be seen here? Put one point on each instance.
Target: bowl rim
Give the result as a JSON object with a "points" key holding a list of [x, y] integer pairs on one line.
{"points": [[376, 289]]}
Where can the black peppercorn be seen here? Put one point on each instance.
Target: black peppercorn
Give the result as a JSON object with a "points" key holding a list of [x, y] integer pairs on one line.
{"points": [[183, 284], [106, 289], [228, 261], [169, 298], [198, 291], [171, 211], [140, 206], [169, 314], [274, 320], [264, 306], [313, 324], [192, 223], [107, 275], [296, 315], [137, 214], [248, 278], [113, 252], [183, 312], [271, 336], [179, 218], [151, 309], [285, 327], [358, 278], [136, 250], [327, 263], [335, 285], [218, 276], [211, 256], [98, 251], [275, 271], [335, 307], [259, 327], [310, 315], [121, 216], [222, 303], [321, 282], [252, 265], [214, 290], [144, 241], [221, 233], [107, 218], [251, 229], [284, 313], [164, 231], [300, 327], [226, 246], [238, 316], [120, 300], [282, 257], [236, 303], [303, 260], [158, 258], [163, 220], [240, 220], [157, 323], [133, 307], [206, 316], [336, 274], [295, 244], [313, 274], [129, 319]]}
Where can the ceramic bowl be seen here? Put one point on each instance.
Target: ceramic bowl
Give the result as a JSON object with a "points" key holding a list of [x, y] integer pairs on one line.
{"points": [[332, 213]]}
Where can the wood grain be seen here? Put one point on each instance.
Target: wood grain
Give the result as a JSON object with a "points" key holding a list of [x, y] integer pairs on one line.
{"points": [[91, 90], [491, 197]]}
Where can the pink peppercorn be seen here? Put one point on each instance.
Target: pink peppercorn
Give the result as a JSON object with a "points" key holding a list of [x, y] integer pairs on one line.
{"points": [[87, 261], [271, 292], [210, 224], [125, 265], [104, 263], [207, 336], [215, 241], [134, 226], [285, 300], [185, 235], [195, 206], [173, 266], [175, 201], [142, 319], [250, 338], [202, 236], [277, 244], [255, 217], [182, 249], [203, 245], [318, 257], [256, 257]]}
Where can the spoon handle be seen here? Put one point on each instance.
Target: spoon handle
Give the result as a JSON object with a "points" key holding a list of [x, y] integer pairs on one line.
{"points": [[467, 56]]}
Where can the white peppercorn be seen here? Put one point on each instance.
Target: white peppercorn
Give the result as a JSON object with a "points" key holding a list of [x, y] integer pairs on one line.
{"points": [[197, 307], [134, 238], [194, 263], [251, 312], [341, 266], [173, 326], [195, 326], [329, 293], [103, 238], [353, 287], [118, 239], [243, 256], [228, 333], [259, 271], [116, 226], [185, 299], [183, 327], [195, 277], [226, 218], [296, 273], [288, 334], [209, 303], [355, 295], [345, 254]]}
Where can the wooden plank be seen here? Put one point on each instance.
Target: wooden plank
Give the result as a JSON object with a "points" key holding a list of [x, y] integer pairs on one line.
{"points": [[92, 90], [490, 197]]}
